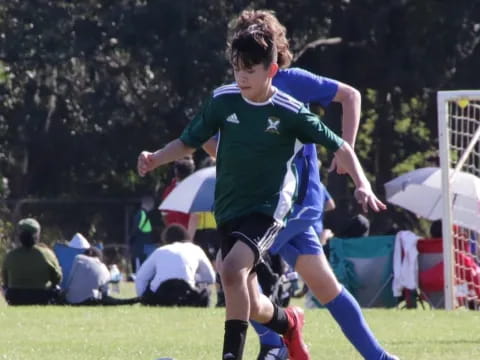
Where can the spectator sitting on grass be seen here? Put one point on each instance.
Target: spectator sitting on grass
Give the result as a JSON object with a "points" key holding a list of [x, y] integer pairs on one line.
{"points": [[88, 282], [31, 272], [175, 274]]}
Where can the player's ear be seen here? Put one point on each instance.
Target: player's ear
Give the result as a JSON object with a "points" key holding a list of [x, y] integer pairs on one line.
{"points": [[272, 70]]}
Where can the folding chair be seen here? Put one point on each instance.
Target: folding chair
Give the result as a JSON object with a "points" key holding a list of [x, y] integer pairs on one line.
{"points": [[365, 267], [430, 272], [65, 255]]}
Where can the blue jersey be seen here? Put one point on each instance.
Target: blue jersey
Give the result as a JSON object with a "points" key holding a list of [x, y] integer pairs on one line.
{"points": [[307, 87], [311, 193]]}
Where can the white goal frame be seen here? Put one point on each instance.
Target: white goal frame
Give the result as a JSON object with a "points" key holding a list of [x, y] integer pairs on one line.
{"points": [[446, 100]]}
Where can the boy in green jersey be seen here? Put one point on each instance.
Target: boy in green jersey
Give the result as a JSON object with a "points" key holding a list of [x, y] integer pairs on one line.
{"points": [[260, 128]]}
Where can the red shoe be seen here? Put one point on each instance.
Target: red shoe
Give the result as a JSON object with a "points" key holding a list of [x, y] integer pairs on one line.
{"points": [[297, 349]]}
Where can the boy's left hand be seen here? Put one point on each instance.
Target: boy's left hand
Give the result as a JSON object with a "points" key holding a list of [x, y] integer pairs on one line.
{"points": [[366, 198]]}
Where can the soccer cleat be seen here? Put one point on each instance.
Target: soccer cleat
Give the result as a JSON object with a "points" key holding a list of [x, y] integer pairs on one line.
{"points": [[268, 352], [297, 349]]}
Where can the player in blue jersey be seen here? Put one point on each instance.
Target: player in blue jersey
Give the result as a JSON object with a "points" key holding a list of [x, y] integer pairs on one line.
{"points": [[298, 243]]}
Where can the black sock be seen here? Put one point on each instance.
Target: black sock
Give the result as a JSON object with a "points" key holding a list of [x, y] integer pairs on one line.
{"points": [[279, 322], [234, 339]]}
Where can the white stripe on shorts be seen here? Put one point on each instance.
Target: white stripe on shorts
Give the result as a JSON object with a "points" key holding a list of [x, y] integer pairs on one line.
{"points": [[266, 241], [269, 237]]}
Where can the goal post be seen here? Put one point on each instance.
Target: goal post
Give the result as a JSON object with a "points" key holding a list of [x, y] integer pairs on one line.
{"points": [[459, 150]]}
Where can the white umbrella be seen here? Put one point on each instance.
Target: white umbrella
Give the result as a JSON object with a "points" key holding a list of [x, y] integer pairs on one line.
{"points": [[420, 191], [195, 193]]}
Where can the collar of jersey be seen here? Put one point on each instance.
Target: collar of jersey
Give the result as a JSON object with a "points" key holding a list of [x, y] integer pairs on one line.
{"points": [[263, 103]]}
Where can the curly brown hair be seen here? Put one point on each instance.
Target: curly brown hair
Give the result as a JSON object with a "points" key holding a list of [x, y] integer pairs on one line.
{"points": [[268, 19], [253, 45]]}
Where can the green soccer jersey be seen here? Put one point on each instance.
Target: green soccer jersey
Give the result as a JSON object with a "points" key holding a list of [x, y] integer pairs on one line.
{"points": [[256, 147]]}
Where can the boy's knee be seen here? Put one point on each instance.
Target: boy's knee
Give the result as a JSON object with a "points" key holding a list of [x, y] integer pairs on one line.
{"points": [[233, 272], [230, 276]]}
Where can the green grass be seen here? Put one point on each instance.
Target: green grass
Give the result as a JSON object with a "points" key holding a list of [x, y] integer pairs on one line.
{"points": [[136, 332]]}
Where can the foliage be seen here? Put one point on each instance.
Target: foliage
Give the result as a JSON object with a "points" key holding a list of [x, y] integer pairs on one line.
{"points": [[398, 54], [5, 225], [5, 240], [85, 86]]}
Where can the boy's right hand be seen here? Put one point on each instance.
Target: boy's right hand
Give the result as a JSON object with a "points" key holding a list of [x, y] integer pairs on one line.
{"points": [[337, 168], [145, 163]]}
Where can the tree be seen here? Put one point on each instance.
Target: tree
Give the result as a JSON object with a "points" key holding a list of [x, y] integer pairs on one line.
{"points": [[84, 86], [399, 54]]}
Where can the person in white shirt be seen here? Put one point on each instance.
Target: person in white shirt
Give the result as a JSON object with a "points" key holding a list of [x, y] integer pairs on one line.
{"points": [[176, 274]]}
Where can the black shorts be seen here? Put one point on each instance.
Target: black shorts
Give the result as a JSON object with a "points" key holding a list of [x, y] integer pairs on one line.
{"points": [[256, 230], [176, 292]]}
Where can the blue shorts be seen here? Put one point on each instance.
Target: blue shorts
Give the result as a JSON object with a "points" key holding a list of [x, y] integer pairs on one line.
{"points": [[303, 243]]}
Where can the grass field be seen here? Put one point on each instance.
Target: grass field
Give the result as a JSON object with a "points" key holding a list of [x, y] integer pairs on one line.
{"points": [[136, 332]]}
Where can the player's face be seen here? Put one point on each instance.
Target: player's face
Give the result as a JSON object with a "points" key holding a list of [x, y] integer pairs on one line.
{"points": [[255, 81]]}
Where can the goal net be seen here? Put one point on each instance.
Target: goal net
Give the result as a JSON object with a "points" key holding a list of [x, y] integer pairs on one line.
{"points": [[459, 134]]}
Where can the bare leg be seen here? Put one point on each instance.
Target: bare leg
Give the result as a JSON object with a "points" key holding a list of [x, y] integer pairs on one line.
{"points": [[318, 275], [261, 308], [234, 273]]}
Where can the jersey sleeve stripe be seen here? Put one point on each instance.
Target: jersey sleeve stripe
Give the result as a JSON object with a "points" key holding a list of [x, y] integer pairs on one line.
{"points": [[226, 89], [225, 92], [290, 99], [286, 104], [233, 85]]}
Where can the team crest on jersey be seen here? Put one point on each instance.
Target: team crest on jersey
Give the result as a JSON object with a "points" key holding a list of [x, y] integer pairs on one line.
{"points": [[232, 118], [273, 124]]}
